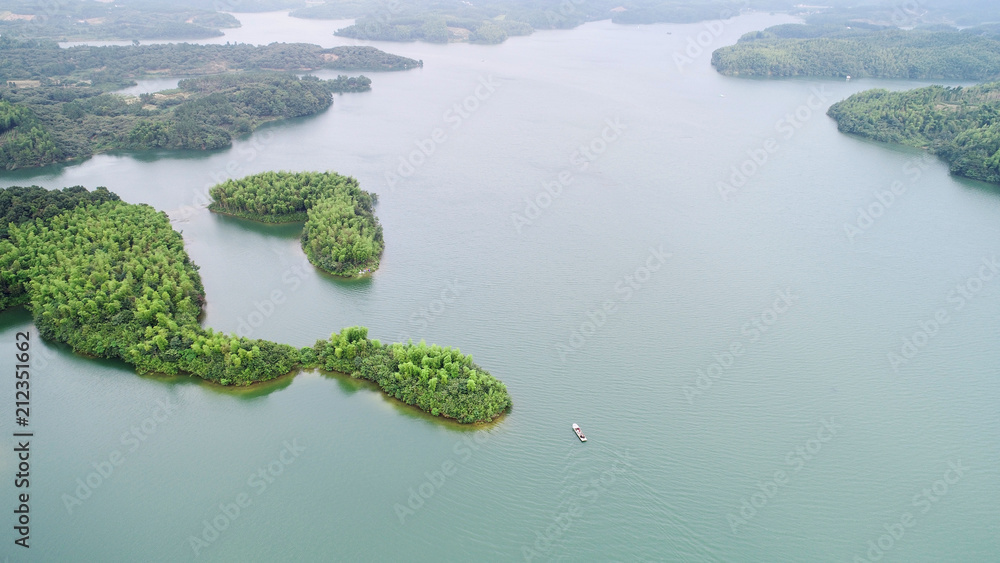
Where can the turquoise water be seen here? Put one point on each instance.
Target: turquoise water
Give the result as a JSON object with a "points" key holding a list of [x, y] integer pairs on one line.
{"points": [[602, 306]]}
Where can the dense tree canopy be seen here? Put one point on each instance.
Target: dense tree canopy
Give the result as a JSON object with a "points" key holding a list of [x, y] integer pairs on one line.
{"points": [[341, 233], [118, 65], [801, 50], [23, 139], [494, 21], [962, 125], [202, 113], [67, 21], [113, 280], [20, 205], [442, 381]]}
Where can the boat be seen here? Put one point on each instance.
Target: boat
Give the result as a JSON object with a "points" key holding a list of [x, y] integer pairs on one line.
{"points": [[579, 433]]}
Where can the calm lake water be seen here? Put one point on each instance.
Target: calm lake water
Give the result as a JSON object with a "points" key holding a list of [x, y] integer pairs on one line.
{"points": [[728, 357]]}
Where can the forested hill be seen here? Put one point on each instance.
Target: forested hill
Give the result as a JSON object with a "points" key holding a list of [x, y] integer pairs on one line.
{"points": [[803, 50], [962, 125], [37, 60]]}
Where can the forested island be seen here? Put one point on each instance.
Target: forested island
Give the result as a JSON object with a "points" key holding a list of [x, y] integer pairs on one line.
{"points": [[411, 20], [201, 114], [341, 235], [866, 51], [112, 280], [56, 104], [118, 66], [494, 22], [962, 125], [444, 20], [78, 21]]}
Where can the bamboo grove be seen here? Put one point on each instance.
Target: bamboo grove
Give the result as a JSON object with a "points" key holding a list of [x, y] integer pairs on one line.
{"points": [[112, 280], [341, 234]]}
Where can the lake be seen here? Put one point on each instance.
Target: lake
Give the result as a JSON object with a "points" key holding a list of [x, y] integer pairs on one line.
{"points": [[775, 336]]}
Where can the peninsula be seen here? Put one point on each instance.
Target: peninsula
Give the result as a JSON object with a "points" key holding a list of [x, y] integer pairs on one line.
{"points": [[961, 125], [112, 280], [860, 52]]}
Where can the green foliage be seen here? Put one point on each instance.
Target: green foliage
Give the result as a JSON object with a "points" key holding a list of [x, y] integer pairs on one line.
{"points": [[73, 21], [349, 57], [489, 33], [962, 125], [113, 280], [20, 205], [341, 233], [23, 140], [281, 197], [202, 114], [495, 20], [115, 65], [343, 84], [801, 50], [439, 380]]}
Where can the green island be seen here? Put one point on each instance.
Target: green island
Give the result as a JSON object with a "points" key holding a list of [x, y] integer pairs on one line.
{"points": [[443, 21], [58, 104], [493, 22], [201, 114], [861, 51], [112, 280], [69, 21], [341, 235], [28, 62], [961, 125], [440, 21]]}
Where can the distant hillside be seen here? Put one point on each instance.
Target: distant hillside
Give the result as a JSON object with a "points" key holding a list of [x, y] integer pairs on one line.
{"points": [[962, 125], [802, 50], [35, 60]]}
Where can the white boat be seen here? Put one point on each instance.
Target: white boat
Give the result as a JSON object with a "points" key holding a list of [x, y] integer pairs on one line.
{"points": [[579, 433]]}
